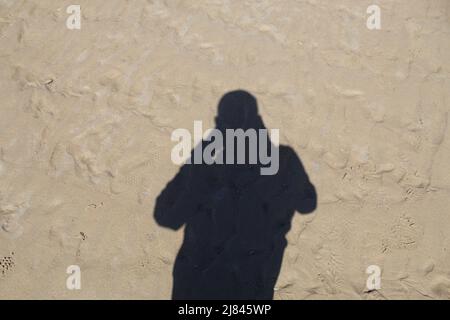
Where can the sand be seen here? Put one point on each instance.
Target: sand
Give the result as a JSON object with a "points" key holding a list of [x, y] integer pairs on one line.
{"points": [[86, 119]]}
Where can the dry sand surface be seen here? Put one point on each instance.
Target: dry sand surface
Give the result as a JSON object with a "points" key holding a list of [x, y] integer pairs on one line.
{"points": [[86, 119]]}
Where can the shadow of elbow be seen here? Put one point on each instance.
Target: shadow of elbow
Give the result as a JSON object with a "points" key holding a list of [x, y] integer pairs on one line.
{"points": [[163, 216], [309, 202]]}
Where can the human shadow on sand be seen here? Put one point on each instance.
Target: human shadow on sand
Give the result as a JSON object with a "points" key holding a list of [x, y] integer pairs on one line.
{"points": [[235, 218]]}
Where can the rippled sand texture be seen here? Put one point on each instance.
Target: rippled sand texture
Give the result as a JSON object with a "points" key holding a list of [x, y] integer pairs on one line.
{"points": [[86, 118]]}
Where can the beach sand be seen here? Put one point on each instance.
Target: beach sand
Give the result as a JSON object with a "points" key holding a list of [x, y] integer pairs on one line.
{"points": [[87, 115]]}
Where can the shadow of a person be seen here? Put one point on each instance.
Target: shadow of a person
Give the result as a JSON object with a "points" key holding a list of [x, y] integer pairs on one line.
{"points": [[235, 218]]}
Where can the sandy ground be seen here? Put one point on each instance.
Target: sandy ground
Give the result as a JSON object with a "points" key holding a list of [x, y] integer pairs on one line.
{"points": [[86, 118]]}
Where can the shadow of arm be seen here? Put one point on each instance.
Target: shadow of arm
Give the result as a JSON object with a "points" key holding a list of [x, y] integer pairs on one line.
{"points": [[303, 191], [175, 202], [307, 202]]}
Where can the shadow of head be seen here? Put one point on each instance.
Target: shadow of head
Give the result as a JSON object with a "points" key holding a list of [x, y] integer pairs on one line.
{"points": [[238, 110]]}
